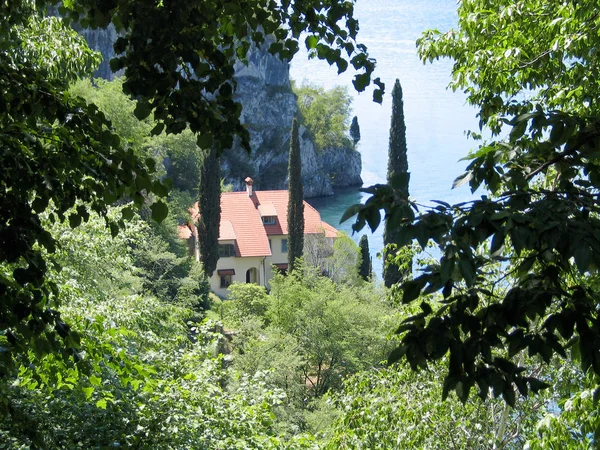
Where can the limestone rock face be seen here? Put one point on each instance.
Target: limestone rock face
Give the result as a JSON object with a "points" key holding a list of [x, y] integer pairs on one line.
{"points": [[102, 41], [269, 105], [343, 165]]}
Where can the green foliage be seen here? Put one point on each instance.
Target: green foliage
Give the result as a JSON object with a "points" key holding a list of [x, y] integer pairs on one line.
{"points": [[312, 334], [188, 64], [209, 206], [397, 170], [342, 265], [295, 213], [177, 154], [182, 158], [319, 314], [541, 216], [147, 376], [108, 96], [502, 49], [574, 425], [193, 290], [179, 205], [365, 266], [398, 408], [325, 114], [59, 151], [247, 300], [355, 131]]}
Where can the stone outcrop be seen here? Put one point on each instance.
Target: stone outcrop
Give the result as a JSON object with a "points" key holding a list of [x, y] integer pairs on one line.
{"points": [[269, 105]]}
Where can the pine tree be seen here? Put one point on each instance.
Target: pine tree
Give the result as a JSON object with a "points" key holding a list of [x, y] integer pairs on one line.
{"points": [[355, 130], [295, 215], [209, 206], [397, 165], [364, 261]]}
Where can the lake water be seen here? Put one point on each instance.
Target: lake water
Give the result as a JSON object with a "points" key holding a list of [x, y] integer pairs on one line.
{"points": [[436, 118]]}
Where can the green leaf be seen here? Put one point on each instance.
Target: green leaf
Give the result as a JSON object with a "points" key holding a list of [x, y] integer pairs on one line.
{"points": [[396, 354], [74, 220], [158, 128], [467, 271], [463, 390], [311, 42], [462, 179], [352, 211], [101, 403], [497, 243], [508, 393], [142, 110], [361, 81], [204, 141], [449, 384], [114, 229], [127, 213], [160, 210], [160, 189], [537, 385], [378, 96], [517, 132], [412, 289], [151, 164], [426, 308], [88, 391], [373, 217], [582, 257]]}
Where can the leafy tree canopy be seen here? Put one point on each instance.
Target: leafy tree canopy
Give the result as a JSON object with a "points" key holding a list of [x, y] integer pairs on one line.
{"points": [[325, 114], [529, 67], [59, 151]]}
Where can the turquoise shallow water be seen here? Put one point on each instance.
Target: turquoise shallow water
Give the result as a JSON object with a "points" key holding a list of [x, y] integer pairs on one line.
{"points": [[436, 118]]}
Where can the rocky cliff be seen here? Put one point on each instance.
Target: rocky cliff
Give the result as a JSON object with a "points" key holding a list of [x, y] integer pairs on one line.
{"points": [[268, 108]]}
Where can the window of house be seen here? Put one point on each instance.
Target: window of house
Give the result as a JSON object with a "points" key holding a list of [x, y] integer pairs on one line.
{"points": [[284, 246], [270, 245], [225, 276], [226, 250], [281, 268], [225, 281], [268, 220]]}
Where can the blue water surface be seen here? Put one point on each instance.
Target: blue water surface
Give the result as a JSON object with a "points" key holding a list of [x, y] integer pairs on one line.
{"points": [[436, 117]]}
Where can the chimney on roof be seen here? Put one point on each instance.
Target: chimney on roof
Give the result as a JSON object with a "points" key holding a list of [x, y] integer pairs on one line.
{"points": [[249, 182]]}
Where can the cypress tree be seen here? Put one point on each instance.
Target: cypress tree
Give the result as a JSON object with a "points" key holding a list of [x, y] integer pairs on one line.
{"points": [[364, 261], [355, 131], [209, 206], [295, 216], [397, 164]]}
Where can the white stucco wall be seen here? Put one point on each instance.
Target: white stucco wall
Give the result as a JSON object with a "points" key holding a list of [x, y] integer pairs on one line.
{"points": [[277, 256], [241, 266]]}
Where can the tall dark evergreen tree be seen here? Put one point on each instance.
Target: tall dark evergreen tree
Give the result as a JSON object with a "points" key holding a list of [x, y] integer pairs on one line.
{"points": [[364, 261], [209, 206], [296, 202], [397, 165], [355, 130]]}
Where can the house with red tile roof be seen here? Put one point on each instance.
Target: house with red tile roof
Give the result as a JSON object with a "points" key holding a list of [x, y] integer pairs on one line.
{"points": [[253, 236]]}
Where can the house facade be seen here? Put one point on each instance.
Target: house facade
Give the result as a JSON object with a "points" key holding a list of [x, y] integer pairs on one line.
{"points": [[253, 236]]}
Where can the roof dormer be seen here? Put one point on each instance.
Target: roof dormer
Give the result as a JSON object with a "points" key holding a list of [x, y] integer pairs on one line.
{"points": [[268, 213]]}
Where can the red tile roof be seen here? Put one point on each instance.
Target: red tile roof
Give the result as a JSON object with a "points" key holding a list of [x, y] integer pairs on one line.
{"points": [[330, 232], [241, 220], [226, 231]]}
